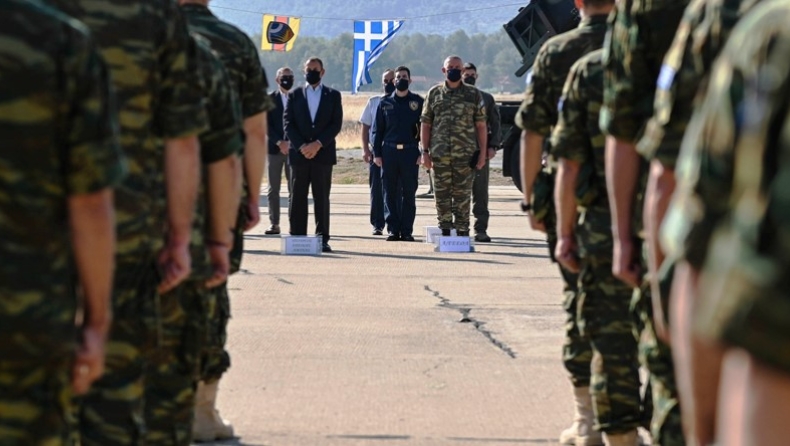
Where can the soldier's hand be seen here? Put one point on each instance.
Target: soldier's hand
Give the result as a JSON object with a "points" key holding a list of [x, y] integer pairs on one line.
{"points": [[367, 156], [378, 161], [537, 225], [253, 214], [481, 162], [89, 362], [175, 264], [219, 254], [624, 266], [426, 161], [491, 153], [567, 254]]}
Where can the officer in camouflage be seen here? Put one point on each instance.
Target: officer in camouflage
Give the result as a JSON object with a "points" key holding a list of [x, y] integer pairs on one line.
{"points": [[639, 37], [174, 369], [453, 127], [59, 162], [161, 111], [603, 305], [536, 117], [240, 57], [726, 229], [702, 33]]}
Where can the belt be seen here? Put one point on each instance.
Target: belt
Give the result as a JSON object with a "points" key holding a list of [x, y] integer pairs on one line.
{"points": [[403, 146]]}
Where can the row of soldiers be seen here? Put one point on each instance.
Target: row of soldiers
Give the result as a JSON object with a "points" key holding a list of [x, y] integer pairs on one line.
{"points": [[665, 130], [133, 144]]}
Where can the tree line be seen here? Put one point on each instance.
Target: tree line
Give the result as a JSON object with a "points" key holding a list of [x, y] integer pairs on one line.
{"points": [[494, 55]]}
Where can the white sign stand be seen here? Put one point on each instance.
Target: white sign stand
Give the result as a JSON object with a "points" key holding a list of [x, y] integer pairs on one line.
{"points": [[454, 244], [432, 232], [301, 245]]}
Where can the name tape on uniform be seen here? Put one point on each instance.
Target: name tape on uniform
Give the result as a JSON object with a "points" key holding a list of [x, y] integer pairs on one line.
{"points": [[453, 244], [300, 245]]}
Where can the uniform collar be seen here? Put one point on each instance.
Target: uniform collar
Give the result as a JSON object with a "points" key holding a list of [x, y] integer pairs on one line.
{"points": [[598, 19], [447, 89]]}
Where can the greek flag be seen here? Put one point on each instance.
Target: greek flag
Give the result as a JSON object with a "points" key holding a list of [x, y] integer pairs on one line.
{"points": [[370, 39]]}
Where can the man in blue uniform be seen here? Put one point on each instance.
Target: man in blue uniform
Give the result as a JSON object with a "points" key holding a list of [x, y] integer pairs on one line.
{"points": [[397, 152]]}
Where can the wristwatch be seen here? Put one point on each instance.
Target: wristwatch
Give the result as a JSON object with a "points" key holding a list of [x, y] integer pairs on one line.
{"points": [[525, 207]]}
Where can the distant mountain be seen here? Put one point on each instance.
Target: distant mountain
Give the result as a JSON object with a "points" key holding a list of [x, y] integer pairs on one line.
{"points": [[330, 18]]}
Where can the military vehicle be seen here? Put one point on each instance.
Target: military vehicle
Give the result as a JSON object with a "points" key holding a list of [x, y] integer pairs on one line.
{"points": [[534, 24]]}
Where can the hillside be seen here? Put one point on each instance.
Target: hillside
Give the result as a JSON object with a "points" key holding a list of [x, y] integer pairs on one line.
{"points": [[329, 18]]}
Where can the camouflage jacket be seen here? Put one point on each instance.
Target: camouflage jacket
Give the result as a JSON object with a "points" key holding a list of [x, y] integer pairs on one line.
{"points": [[58, 138], [578, 136], [702, 33], [153, 67], [452, 114], [538, 111], [494, 120]]}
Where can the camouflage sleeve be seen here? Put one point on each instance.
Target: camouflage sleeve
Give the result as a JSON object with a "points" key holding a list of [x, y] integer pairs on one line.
{"points": [[224, 136], [253, 97], [95, 160], [427, 109], [180, 106], [480, 109], [537, 112], [570, 138]]}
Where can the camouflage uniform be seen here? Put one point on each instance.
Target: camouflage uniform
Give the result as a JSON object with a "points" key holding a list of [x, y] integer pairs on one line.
{"points": [[240, 57], [174, 369], [603, 306], [59, 139], [641, 32], [728, 217], [452, 114], [481, 180], [538, 114], [153, 69]]}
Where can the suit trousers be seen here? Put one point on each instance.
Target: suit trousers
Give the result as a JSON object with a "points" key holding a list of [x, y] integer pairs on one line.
{"points": [[277, 162], [305, 178], [399, 177]]}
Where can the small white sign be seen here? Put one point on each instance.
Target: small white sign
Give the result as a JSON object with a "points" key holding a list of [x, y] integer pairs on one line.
{"points": [[454, 244], [431, 232], [301, 245]]}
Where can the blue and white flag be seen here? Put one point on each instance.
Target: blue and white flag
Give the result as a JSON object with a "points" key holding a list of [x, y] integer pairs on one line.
{"points": [[370, 39]]}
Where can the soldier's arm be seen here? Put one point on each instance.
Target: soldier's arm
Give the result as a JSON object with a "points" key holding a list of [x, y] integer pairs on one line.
{"points": [[255, 150], [426, 123], [223, 198], [622, 176], [533, 118], [494, 124]]}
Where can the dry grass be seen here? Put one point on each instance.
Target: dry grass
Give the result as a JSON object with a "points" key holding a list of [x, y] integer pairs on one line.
{"points": [[350, 136]]}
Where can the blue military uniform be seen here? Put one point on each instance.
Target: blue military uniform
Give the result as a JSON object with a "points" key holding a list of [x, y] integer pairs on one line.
{"points": [[396, 143]]}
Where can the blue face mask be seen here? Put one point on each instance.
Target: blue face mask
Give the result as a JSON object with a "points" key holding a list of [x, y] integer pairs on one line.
{"points": [[454, 75]]}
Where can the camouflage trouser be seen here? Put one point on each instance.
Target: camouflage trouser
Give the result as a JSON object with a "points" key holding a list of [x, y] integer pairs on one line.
{"points": [[656, 356], [112, 411], [605, 319], [452, 190], [576, 350], [35, 403], [173, 370], [215, 360]]}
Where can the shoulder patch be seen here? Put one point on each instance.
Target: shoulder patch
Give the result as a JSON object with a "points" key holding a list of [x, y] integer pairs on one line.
{"points": [[414, 105]]}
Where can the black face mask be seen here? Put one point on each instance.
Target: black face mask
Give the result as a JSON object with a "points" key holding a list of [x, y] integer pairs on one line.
{"points": [[389, 87], [313, 77], [454, 75], [470, 80], [402, 85], [287, 82]]}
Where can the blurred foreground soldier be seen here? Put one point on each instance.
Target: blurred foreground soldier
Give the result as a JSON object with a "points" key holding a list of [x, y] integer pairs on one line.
{"points": [[604, 315], [278, 147], [453, 126], [154, 70], [702, 33], [174, 370], [536, 117], [59, 160], [727, 226], [397, 152], [640, 35], [368, 120], [480, 183], [240, 57]]}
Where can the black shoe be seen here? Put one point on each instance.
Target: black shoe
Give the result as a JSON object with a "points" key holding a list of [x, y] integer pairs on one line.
{"points": [[445, 232], [482, 237], [393, 238], [462, 233], [407, 238], [378, 232], [325, 247], [273, 230]]}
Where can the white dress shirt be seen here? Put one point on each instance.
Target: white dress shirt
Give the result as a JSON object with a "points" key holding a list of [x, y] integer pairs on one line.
{"points": [[369, 115], [284, 98], [313, 99]]}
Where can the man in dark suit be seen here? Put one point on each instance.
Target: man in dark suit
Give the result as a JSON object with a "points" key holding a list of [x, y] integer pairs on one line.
{"points": [[278, 147], [313, 118]]}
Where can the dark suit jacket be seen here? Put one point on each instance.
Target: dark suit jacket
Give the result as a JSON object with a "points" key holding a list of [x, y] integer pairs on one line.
{"points": [[275, 121], [302, 130]]}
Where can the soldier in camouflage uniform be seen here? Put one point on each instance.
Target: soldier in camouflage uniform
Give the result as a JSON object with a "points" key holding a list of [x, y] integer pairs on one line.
{"points": [[702, 33], [453, 127], [174, 370], [536, 117], [240, 57], [725, 228], [603, 306], [58, 162], [161, 112], [640, 35]]}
